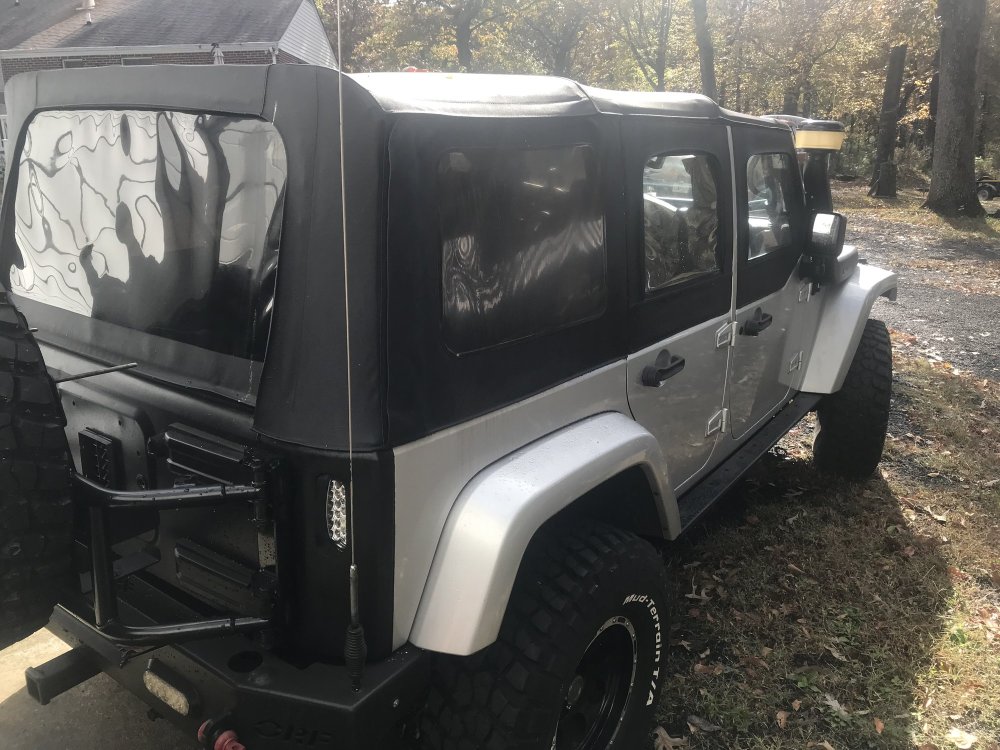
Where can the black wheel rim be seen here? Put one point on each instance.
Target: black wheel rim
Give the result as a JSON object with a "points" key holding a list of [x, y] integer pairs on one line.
{"points": [[595, 701]]}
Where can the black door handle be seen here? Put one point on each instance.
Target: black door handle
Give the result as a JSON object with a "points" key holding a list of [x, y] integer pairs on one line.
{"points": [[756, 324], [665, 366]]}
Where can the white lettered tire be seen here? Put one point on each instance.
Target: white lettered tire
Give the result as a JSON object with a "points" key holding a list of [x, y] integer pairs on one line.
{"points": [[580, 660]]}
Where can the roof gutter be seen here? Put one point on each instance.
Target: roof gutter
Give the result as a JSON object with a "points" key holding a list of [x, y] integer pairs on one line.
{"points": [[145, 50]]}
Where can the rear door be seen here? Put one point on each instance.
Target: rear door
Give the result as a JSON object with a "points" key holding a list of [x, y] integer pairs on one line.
{"points": [[771, 223], [680, 278]]}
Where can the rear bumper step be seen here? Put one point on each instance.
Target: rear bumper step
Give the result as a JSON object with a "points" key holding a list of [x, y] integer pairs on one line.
{"points": [[268, 702]]}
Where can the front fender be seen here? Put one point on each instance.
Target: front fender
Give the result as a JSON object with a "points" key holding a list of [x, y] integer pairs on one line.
{"points": [[502, 507], [845, 309]]}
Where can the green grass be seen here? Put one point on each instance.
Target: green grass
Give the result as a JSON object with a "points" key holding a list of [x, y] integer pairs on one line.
{"points": [[851, 607]]}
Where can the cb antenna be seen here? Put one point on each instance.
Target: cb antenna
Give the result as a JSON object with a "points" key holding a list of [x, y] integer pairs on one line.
{"points": [[355, 648]]}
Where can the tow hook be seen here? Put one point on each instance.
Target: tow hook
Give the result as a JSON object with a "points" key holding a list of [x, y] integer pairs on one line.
{"points": [[214, 736]]}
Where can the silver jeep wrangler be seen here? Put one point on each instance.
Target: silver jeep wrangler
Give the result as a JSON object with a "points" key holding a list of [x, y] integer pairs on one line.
{"points": [[367, 400]]}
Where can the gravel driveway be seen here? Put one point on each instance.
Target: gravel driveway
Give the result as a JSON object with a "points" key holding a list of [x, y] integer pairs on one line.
{"points": [[949, 290]]}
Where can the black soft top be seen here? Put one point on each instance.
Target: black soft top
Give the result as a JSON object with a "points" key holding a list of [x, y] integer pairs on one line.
{"points": [[302, 393], [486, 95]]}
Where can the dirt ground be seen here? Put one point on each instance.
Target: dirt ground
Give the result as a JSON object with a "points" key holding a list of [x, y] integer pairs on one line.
{"points": [[809, 613]]}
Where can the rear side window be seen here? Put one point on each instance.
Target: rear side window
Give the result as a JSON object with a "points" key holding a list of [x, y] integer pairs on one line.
{"points": [[680, 209], [523, 247], [771, 191], [162, 223]]}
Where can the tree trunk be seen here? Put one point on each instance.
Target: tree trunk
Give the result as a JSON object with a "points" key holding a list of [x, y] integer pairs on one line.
{"points": [[463, 43], [884, 177], [953, 176], [706, 52], [791, 103]]}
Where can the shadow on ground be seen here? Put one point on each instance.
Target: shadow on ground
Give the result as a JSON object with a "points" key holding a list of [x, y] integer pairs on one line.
{"points": [[805, 611]]}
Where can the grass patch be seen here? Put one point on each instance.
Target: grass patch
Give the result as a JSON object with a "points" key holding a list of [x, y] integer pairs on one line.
{"points": [[853, 200], [813, 611]]}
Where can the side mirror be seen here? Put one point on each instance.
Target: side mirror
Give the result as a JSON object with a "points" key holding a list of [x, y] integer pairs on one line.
{"points": [[827, 240]]}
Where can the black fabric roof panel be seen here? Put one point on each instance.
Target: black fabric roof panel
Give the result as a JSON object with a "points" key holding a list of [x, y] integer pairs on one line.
{"points": [[479, 95]]}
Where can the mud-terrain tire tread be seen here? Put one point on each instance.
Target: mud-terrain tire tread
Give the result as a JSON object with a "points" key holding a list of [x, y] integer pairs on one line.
{"points": [[489, 700], [852, 422], [36, 515]]}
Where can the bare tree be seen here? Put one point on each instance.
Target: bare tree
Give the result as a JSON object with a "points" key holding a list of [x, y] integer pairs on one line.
{"points": [[883, 183], [706, 50], [645, 29], [953, 173]]}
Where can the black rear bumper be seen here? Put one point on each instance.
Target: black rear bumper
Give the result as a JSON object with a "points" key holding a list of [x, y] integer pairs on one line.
{"points": [[269, 702]]}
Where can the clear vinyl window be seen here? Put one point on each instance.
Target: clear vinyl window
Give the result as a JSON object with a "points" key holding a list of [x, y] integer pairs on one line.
{"points": [[523, 246], [680, 219], [166, 224], [771, 191]]}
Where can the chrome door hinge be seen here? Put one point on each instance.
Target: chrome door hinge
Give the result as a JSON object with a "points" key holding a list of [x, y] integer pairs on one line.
{"points": [[726, 336], [795, 362], [719, 421]]}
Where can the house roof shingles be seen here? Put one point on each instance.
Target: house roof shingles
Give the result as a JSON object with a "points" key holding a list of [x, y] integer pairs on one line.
{"points": [[49, 24]]}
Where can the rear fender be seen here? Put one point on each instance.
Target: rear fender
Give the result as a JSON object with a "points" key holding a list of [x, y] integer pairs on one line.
{"points": [[501, 508], [845, 310]]}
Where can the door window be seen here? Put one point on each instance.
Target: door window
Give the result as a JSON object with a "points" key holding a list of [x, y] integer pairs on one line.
{"points": [[680, 220], [771, 191]]}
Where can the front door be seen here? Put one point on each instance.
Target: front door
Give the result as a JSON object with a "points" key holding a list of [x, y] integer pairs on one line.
{"points": [[680, 276], [771, 224]]}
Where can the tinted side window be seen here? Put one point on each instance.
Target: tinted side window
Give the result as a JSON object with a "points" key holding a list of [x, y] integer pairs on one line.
{"points": [[770, 193], [680, 219], [523, 249]]}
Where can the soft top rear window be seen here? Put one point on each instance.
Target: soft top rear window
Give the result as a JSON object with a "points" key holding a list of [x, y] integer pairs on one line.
{"points": [[152, 235]]}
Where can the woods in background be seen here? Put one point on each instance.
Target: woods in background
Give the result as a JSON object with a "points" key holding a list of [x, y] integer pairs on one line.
{"points": [[815, 58]]}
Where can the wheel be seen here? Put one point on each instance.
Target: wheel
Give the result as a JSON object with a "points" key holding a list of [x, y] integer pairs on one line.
{"points": [[579, 661], [853, 421], [986, 193], [36, 519]]}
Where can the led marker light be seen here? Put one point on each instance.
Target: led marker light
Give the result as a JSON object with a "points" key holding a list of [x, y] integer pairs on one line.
{"points": [[336, 512]]}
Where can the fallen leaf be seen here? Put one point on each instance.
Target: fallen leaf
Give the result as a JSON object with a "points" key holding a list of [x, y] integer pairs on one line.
{"points": [[961, 739], [879, 725], [796, 704], [782, 718], [834, 704], [696, 722], [836, 654], [663, 741]]}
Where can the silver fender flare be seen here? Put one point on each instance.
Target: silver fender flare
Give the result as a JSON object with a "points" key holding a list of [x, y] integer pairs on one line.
{"points": [[842, 318], [501, 508]]}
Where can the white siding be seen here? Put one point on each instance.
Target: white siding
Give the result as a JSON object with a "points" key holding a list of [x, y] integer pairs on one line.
{"points": [[306, 38]]}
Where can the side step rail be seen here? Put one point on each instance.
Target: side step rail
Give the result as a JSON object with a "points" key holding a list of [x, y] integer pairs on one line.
{"points": [[696, 501], [100, 502]]}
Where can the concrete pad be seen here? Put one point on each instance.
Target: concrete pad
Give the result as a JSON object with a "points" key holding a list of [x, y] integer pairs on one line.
{"points": [[97, 715]]}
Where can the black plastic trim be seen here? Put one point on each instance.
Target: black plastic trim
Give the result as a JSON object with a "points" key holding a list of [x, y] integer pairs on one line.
{"points": [[702, 496]]}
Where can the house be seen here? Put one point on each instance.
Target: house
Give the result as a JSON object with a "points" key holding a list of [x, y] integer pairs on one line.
{"points": [[46, 34]]}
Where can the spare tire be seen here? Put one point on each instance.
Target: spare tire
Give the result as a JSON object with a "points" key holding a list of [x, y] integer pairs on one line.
{"points": [[36, 514]]}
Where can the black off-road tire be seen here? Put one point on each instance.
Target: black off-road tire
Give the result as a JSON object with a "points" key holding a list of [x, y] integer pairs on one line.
{"points": [[853, 421], [36, 518], [578, 583], [986, 193]]}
